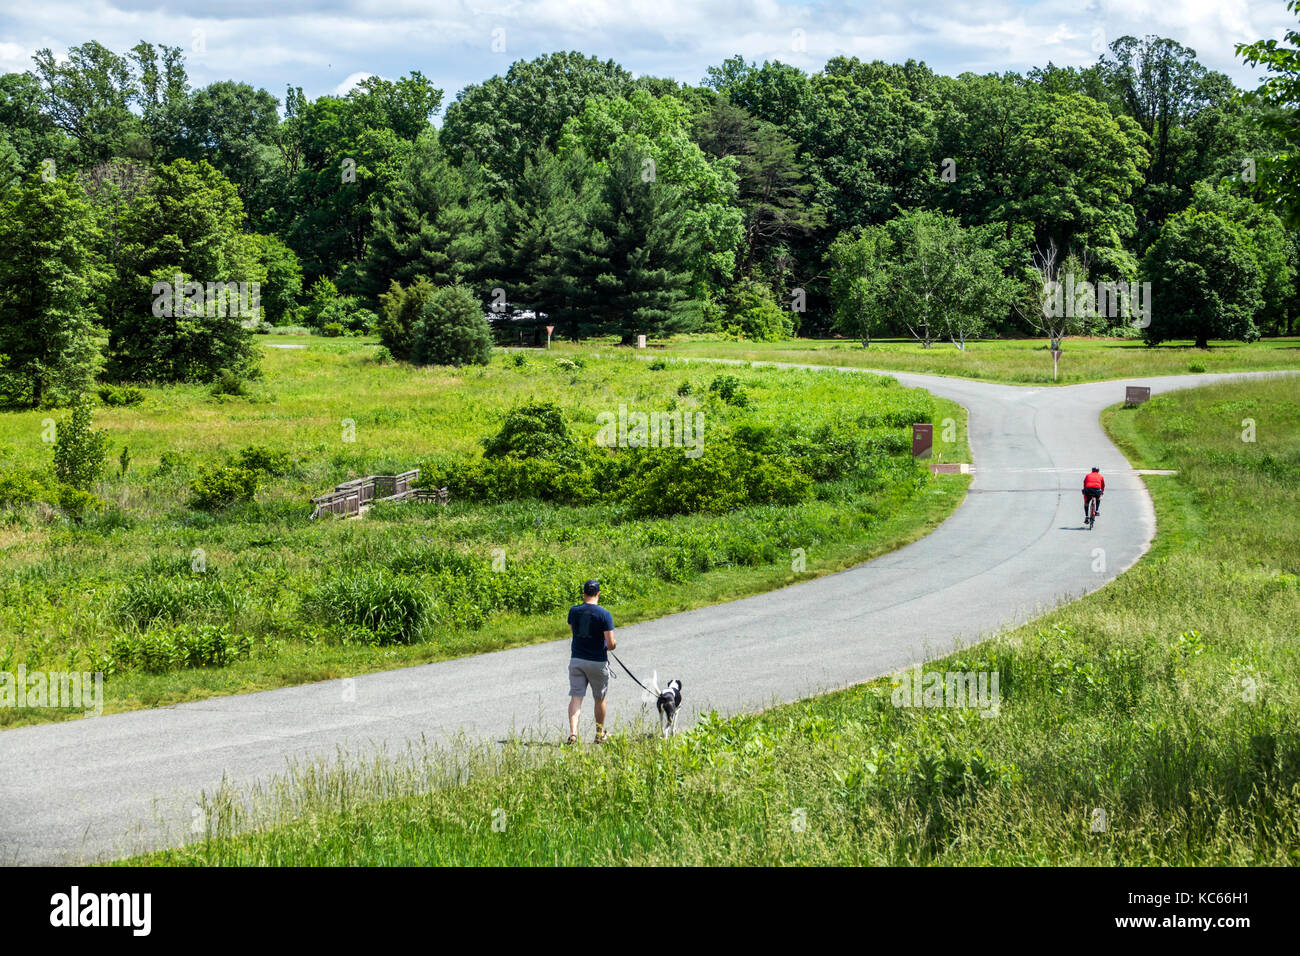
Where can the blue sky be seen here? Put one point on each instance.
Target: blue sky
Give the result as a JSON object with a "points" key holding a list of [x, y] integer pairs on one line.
{"points": [[325, 47]]}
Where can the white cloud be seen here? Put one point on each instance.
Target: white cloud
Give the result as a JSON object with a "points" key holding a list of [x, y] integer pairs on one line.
{"points": [[14, 58], [352, 80], [314, 44]]}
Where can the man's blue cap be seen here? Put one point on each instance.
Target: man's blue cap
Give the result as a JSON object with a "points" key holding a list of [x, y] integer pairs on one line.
{"points": [[590, 588]]}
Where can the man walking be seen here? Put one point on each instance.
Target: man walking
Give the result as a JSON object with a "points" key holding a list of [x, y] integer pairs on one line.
{"points": [[593, 637]]}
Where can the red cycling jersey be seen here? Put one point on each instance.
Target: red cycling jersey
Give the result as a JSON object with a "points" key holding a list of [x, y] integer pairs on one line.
{"points": [[1093, 479]]}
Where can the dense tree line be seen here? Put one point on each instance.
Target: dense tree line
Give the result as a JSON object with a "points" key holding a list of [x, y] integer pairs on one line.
{"points": [[865, 199]]}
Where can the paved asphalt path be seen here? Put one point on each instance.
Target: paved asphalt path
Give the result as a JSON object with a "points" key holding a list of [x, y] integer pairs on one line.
{"points": [[98, 789]]}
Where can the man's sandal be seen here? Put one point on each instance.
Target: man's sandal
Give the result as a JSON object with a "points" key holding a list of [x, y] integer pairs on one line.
{"points": [[602, 737], [573, 739]]}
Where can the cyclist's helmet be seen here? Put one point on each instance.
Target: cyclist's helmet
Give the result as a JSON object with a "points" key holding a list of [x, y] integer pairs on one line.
{"points": [[1095, 468]]}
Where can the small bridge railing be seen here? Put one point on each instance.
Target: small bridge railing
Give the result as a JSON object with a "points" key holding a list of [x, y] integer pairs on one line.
{"points": [[355, 496]]}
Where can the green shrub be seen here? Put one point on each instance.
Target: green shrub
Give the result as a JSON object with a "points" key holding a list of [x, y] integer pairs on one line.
{"points": [[156, 651], [776, 481], [391, 609], [534, 587], [415, 559], [725, 477], [536, 430], [347, 314], [20, 488], [78, 448], [514, 479], [913, 406], [382, 355], [209, 645], [319, 296], [228, 382], [833, 451], [120, 395], [752, 313], [399, 315], [152, 652], [533, 456], [282, 284], [77, 503], [730, 390], [331, 329], [158, 596], [171, 461], [226, 485], [452, 330], [173, 565], [264, 459]]}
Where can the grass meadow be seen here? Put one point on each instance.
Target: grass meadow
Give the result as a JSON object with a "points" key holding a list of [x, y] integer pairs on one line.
{"points": [[1014, 361], [178, 603], [1150, 723]]}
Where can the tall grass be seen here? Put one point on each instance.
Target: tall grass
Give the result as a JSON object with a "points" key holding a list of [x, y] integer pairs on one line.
{"points": [[1017, 361]]}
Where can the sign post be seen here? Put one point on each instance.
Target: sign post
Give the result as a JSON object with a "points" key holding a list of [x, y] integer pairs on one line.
{"points": [[922, 440], [549, 330], [1056, 360], [1136, 394]]}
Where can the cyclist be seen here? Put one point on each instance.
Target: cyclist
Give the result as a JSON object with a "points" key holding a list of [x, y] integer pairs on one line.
{"points": [[1094, 486]]}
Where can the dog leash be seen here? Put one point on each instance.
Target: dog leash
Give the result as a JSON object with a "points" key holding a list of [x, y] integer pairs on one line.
{"points": [[633, 676]]}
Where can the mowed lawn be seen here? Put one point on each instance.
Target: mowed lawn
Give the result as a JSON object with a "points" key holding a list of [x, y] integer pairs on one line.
{"points": [[1015, 361], [174, 603], [1150, 723]]}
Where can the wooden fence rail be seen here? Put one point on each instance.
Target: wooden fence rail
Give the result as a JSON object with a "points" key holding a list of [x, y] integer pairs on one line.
{"points": [[355, 496]]}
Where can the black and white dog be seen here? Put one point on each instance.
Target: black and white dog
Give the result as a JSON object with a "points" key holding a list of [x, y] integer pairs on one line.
{"points": [[670, 698]]}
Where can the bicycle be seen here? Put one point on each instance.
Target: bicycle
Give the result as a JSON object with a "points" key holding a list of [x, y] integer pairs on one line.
{"points": [[1091, 518]]}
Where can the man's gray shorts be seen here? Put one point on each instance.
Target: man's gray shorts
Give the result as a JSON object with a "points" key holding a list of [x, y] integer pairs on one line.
{"points": [[582, 673]]}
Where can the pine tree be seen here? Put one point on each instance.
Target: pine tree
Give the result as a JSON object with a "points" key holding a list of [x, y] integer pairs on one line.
{"points": [[452, 329], [541, 224], [772, 191], [630, 267], [399, 315], [437, 222]]}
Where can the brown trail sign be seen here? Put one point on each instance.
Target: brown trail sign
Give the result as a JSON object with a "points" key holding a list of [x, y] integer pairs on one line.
{"points": [[922, 440], [1136, 394]]}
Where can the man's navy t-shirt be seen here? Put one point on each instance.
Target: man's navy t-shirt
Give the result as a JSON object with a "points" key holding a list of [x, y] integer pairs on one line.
{"points": [[589, 623]]}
